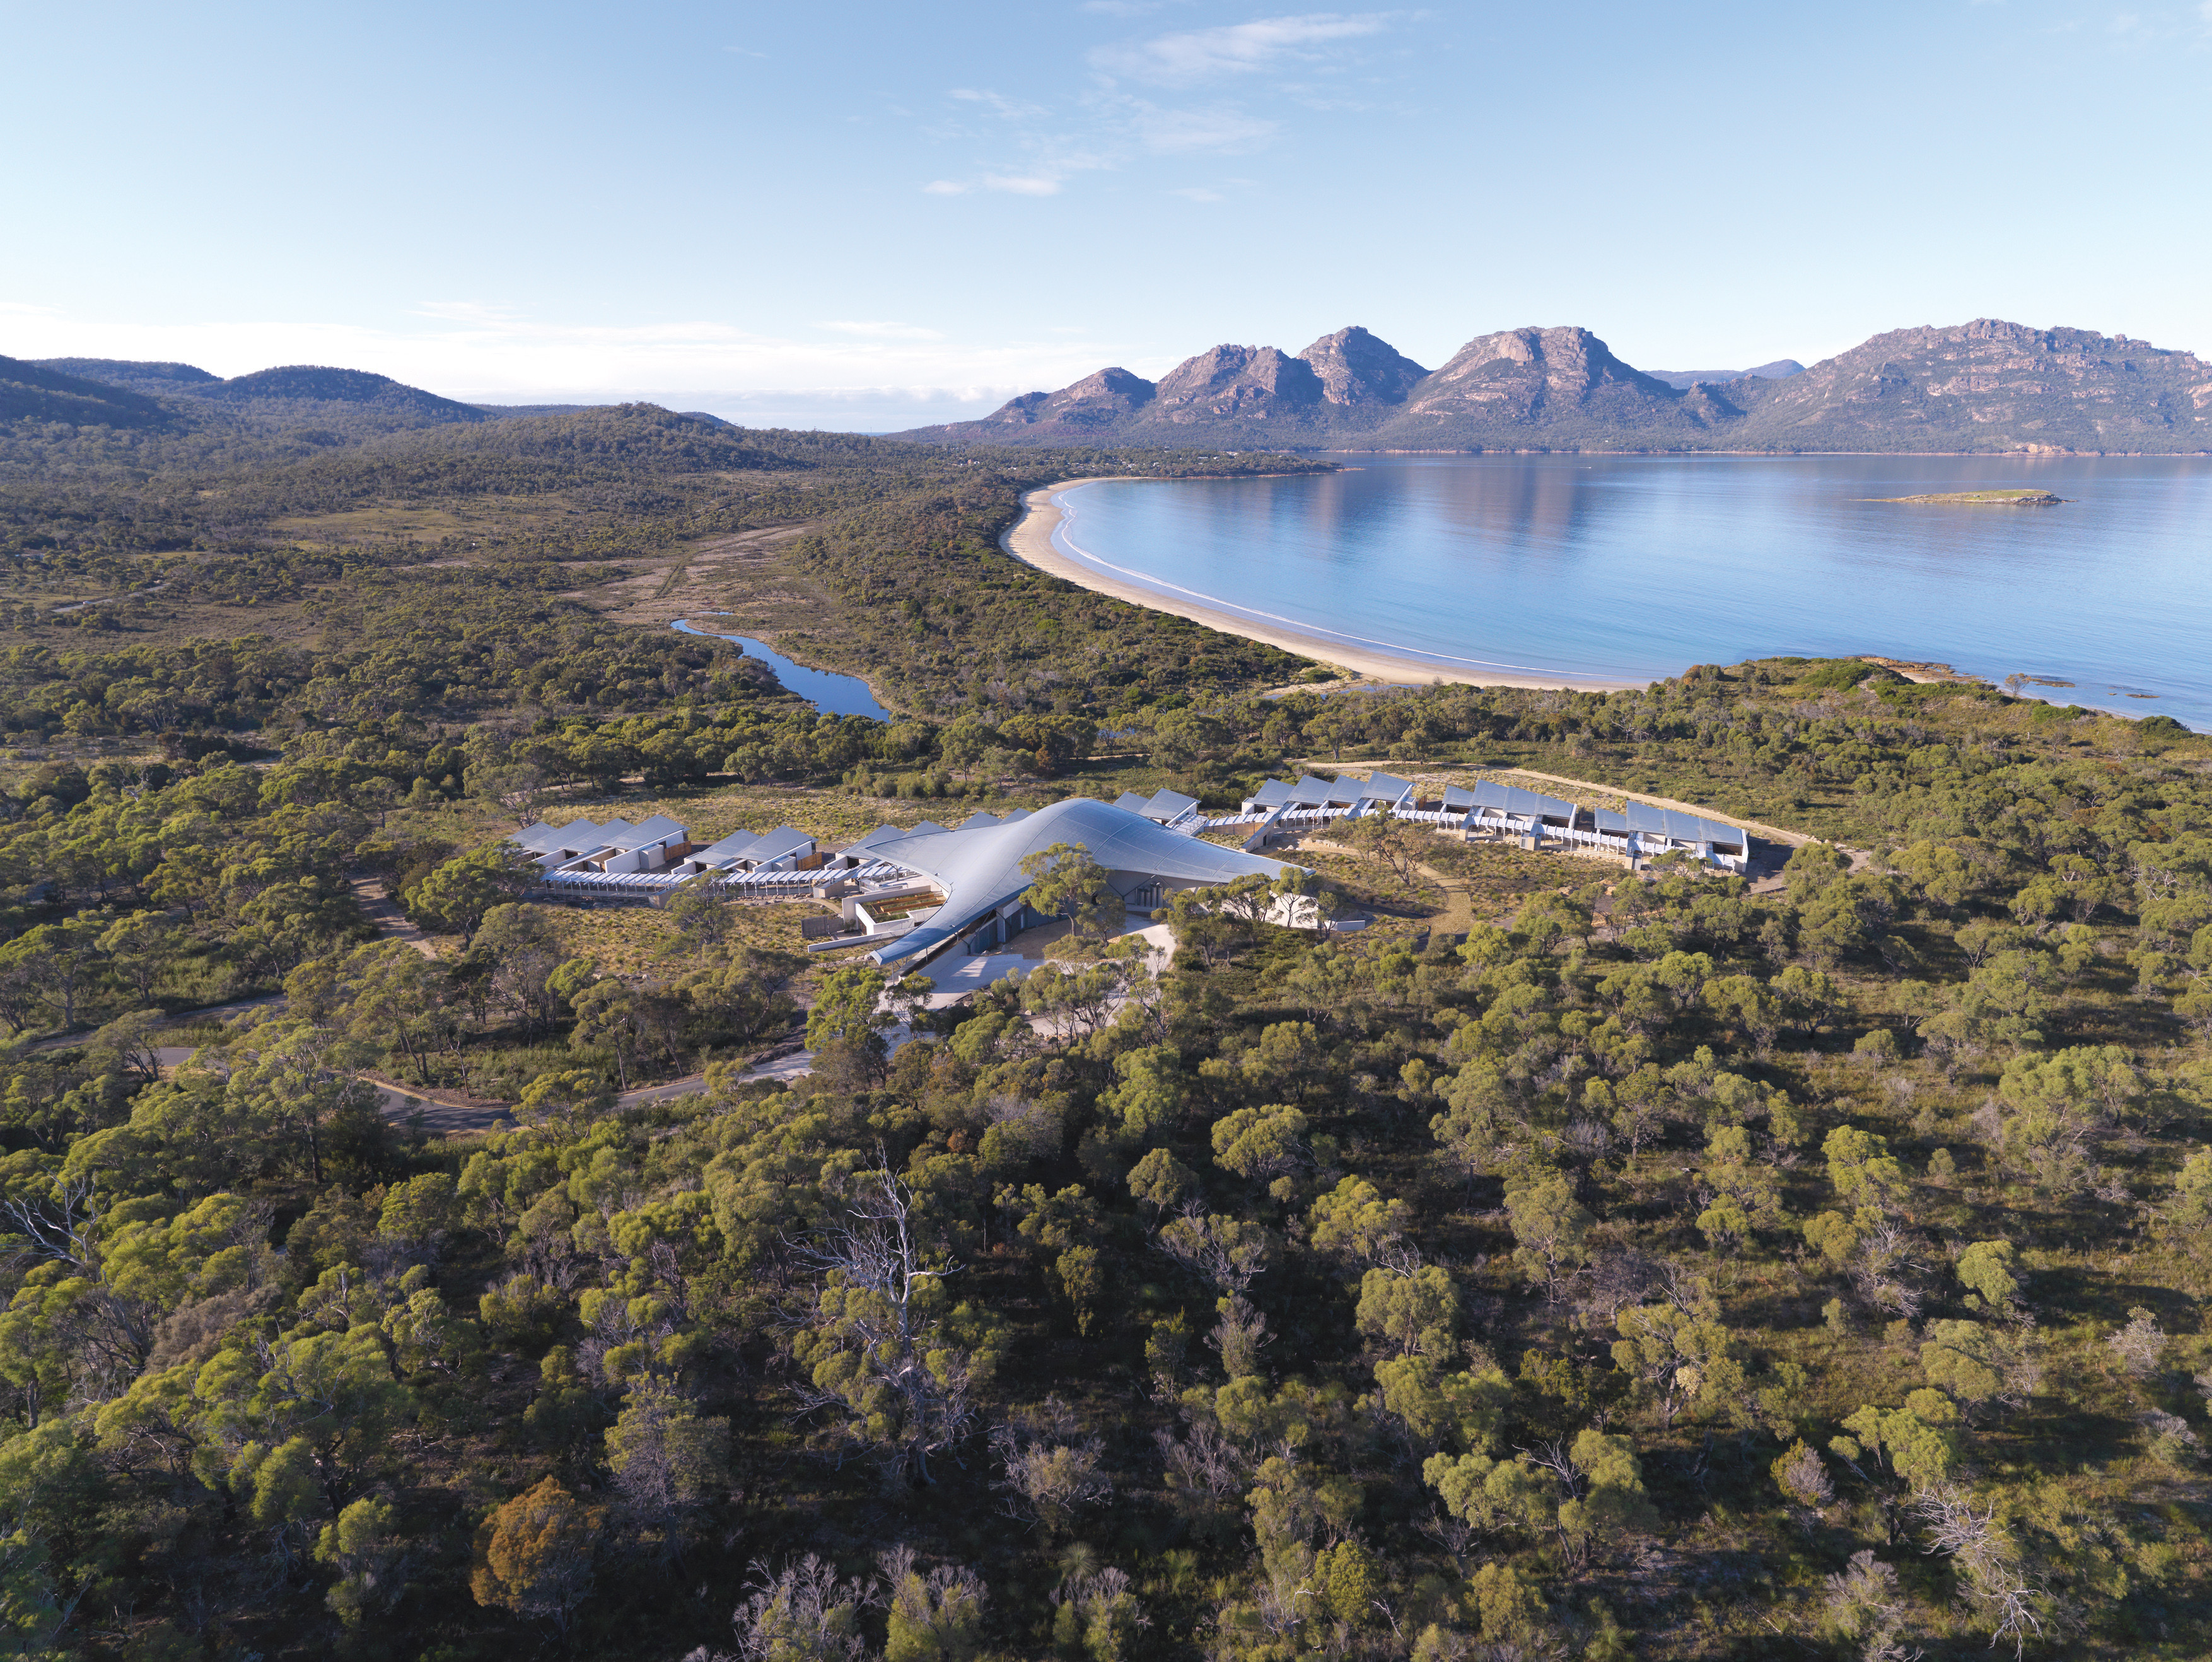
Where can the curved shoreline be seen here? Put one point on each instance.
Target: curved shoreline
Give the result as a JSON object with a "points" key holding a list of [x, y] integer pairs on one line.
{"points": [[1029, 539]]}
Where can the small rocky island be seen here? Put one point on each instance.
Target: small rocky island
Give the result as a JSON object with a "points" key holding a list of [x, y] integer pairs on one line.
{"points": [[1982, 499]]}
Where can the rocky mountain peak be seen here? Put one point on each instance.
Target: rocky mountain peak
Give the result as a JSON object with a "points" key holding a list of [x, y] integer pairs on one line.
{"points": [[1534, 367], [1238, 381], [1985, 385], [1098, 400], [1357, 368]]}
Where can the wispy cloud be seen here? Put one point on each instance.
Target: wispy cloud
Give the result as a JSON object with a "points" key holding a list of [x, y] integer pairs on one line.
{"points": [[1175, 132], [1030, 150], [882, 331], [1006, 108], [1119, 129], [1190, 56], [1031, 184]]}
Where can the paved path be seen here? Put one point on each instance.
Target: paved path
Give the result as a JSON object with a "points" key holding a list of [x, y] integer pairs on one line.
{"points": [[182, 1018], [391, 922]]}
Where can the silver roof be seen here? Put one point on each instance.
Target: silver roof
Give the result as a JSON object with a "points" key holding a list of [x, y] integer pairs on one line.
{"points": [[1168, 805], [783, 840], [980, 871], [1384, 787], [583, 835], [877, 837], [1273, 792], [736, 846], [1678, 826], [1311, 792], [1132, 802], [1458, 797], [1526, 804]]}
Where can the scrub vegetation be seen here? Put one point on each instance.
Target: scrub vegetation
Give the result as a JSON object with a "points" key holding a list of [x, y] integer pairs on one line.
{"points": [[1575, 1263]]}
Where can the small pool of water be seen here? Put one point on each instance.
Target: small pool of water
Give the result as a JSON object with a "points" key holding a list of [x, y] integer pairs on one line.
{"points": [[827, 691]]}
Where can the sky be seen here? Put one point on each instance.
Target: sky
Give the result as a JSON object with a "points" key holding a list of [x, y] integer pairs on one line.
{"points": [[873, 216]]}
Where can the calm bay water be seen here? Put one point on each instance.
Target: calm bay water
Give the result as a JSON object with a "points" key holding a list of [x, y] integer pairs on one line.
{"points": [[1630, 568]]}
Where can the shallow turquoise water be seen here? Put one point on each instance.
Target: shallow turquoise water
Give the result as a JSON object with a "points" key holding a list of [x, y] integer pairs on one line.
{"points": [[1634, 567]]}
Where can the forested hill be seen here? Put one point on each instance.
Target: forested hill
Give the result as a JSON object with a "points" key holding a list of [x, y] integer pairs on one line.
{"points": [[1986, 385], [334, 405], [50, 396]]}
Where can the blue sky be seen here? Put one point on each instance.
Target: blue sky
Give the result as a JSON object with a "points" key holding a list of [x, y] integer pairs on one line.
{"points": [[869, 216]]}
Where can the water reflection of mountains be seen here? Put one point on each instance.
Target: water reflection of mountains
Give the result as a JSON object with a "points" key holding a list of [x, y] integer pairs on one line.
{"points": [[1637, 567], [1512, 510]]}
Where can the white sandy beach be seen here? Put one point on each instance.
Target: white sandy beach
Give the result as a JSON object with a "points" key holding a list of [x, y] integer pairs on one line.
{"points": [[1029, 539]]}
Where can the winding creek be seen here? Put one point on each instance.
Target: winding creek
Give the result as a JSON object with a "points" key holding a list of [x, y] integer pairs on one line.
{"points": [[827, 691]]}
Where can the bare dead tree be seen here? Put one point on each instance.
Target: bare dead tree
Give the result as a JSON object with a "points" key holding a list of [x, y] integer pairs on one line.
{"points": [[1227, 1251], [881, 1330], [113, 1331], [1997, 1582]]}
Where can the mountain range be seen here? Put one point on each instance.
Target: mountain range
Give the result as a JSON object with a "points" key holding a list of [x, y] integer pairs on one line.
{"points": [[1986, 386], [339, 405]]}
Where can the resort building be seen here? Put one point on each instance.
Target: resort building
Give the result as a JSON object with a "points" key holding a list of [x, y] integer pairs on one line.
{"points": [[1167, 807], [619, 859], [1488, 809], [907, 893], [615, 847], [967, 885], [783, 850]]}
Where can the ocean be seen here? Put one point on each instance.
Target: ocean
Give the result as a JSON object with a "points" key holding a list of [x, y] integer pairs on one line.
{"points": [[1631, 568]]}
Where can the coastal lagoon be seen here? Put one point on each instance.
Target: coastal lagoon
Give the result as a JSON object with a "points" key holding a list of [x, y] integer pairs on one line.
{"points": [[1615, 569]]}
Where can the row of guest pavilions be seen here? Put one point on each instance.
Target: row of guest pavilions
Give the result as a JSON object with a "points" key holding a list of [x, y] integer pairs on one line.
{"points": [[1490, 809]]}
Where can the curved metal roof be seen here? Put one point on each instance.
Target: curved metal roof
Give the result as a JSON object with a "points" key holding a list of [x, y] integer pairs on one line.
{"points": [[980, 870]]}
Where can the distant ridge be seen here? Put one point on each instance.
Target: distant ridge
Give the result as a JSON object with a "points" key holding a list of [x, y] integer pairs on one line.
{"points": [[1987, 386], [1683, 380], [322, 404], [122, 372], [300, 383], [40, 392]]}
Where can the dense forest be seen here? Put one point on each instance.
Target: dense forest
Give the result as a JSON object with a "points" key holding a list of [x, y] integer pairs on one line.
{"points": [[1570, 1263]]}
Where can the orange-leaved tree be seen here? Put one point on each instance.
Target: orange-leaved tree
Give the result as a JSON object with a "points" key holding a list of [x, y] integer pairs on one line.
{"points": [[536, 1555]]}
